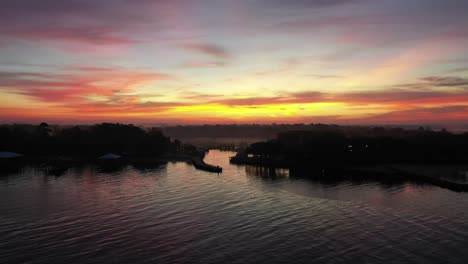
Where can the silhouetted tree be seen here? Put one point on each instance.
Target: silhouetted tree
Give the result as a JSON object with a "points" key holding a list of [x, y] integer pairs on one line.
{"points": [[93, 140]]}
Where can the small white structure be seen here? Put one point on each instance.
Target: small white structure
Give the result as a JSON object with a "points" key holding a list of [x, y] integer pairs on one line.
{"points": [[464, 175], [9, 155], [110, 156]]}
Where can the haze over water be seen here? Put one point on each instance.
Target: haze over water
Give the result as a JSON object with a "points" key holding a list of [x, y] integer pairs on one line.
{"points": [[177, 214]]}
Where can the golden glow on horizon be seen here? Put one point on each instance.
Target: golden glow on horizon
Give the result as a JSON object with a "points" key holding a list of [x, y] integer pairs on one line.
{"points": [[226, 114], [272, 110]]}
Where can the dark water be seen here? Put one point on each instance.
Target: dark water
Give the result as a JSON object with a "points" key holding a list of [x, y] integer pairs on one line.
{"points": [[176, 214]]}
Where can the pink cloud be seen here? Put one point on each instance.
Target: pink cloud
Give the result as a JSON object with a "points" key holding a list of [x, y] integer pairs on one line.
{"points": [[74, 85], [94, 36]]}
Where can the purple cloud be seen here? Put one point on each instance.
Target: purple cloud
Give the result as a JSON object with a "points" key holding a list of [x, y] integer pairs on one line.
{"points": [[446, 81], [207, 49]]}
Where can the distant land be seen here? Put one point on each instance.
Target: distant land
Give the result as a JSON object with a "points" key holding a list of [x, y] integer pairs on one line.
{"points": [[329, 149], [218, 134]]}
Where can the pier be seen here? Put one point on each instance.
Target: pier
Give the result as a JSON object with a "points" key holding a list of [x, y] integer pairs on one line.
{"points": [[198, 163]]}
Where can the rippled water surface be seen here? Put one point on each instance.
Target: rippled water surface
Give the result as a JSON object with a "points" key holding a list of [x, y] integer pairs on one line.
{"points": [[176, 214]]}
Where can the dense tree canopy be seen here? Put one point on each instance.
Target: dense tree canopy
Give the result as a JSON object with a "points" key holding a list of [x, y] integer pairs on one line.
{"points": [[337, 147], [91, 140]]}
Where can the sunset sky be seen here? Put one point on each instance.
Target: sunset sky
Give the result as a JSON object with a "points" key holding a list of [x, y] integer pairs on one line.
{"points": [[248, 61]]}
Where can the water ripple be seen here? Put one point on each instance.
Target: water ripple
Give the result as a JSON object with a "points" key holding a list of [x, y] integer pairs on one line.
{"points": [[176, 214]]}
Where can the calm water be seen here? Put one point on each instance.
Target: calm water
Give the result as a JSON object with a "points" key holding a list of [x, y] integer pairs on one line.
{"points": [[176, 214]]}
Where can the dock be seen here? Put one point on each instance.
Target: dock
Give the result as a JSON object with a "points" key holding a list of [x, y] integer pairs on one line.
{"points": [[198, 163], [444, 176]]}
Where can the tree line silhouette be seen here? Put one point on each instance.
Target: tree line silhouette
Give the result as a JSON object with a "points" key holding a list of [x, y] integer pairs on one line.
{"points": [[313, 143], [336, 146], [263, 131], [87, 140]]}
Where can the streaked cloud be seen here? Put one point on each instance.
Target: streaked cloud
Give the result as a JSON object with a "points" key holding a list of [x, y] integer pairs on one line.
{"points": [[435, 115], [203, 64], [446, 81], [212, 50], [74, 87], [308, 3]]}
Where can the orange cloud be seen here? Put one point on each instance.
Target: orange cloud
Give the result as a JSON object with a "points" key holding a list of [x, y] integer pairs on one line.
{"points": [[107, 94]]}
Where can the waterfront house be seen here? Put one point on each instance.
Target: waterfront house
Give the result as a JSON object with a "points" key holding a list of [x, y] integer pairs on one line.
{"points": [[9, 155], [109, 156]]}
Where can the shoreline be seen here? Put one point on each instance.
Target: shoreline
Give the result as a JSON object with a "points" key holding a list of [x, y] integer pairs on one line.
{"points": [[450, 176], [447, 176], [61, 163]]}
